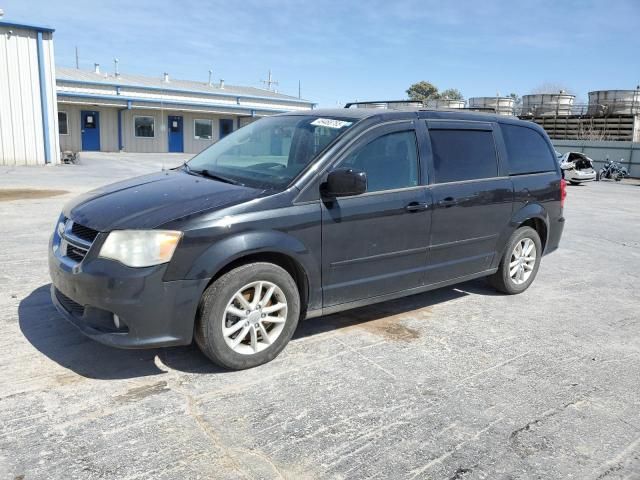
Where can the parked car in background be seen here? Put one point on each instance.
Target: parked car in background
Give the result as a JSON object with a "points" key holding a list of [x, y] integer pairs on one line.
{"points": [[306, 214], [576, 167]]}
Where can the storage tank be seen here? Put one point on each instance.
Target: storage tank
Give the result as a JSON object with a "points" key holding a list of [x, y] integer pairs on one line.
{"points": [[543, 104], [445, 104], [618, 102], [500, 105]]}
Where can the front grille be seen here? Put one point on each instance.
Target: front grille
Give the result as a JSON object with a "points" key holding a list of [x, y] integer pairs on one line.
{"points": [[76, 240], [75, 253], [85, 233], [69, 305]]}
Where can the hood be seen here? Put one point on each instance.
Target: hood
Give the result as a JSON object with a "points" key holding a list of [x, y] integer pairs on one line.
{"points": [[152, 200]]}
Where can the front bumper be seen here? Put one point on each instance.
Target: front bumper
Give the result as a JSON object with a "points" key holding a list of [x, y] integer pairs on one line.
{"points": [[151, 312]]}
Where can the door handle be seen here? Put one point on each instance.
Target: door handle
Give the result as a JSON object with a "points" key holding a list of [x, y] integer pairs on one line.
{"points": [[416, 207], [447, 202]]}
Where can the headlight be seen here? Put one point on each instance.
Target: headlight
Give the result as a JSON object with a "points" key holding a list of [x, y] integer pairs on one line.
{"points": [[140, 248]]}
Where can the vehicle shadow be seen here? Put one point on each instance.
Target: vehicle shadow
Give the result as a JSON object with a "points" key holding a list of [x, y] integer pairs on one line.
{"points": [[60, 341]]}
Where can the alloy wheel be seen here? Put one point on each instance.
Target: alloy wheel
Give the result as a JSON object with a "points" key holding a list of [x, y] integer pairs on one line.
{"points": [[254, 317], [523, 261]]}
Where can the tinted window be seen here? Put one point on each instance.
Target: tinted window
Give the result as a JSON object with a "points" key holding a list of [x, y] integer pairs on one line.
{"points": [[528, 151], [390, 161], [463, 155]]}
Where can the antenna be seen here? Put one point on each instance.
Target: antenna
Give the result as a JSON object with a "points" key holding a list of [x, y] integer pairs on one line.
{"points": [[299, 89], [270, 81], [77, 61], [210, 74], [115, 67]]}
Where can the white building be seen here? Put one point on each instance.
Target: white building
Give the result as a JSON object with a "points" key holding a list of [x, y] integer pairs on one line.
{"points": [[28, 108], [44, 110], [133, 113]]}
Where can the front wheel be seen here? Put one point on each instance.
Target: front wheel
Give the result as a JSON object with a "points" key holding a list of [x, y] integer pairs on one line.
{"points": [[520, 262], [247, 316]]}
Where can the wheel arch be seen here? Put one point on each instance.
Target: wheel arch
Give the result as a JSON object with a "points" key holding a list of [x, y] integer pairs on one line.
{"points": [[532, 215], [261, 246]]}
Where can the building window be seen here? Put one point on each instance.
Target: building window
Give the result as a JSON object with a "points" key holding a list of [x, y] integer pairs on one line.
{"points": [[144, 126], [63, 126], [203, 129]]}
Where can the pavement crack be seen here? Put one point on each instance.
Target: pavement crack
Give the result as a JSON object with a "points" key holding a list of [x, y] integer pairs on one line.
{"points": [[192, 409]]}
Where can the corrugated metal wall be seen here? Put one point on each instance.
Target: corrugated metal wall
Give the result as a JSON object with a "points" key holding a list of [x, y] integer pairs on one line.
{"points": [[21, 130]]}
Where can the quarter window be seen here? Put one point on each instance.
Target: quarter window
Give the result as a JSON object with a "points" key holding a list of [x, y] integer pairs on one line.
{"points": [[463, 155], [527, 149], [63, 125], [203, 129], [390, 161], [144, 126]]}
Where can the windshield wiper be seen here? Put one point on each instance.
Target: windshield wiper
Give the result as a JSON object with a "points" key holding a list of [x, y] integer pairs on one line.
{"points": [[215, 176]]}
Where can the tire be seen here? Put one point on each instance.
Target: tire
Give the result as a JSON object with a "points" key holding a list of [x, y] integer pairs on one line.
{"points": [[572, 182], [219, 303], [502, 279]]}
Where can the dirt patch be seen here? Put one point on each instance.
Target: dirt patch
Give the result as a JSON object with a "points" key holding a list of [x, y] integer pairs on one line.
{"points": [[8, 194], [138, 393]]}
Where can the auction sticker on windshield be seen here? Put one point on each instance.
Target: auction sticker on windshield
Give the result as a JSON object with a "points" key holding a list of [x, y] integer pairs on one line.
{"points": [[330, 123]]}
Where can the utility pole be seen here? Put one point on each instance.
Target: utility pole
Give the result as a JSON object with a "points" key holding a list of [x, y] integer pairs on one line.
{"points": [[270, 81], [77, 61]]}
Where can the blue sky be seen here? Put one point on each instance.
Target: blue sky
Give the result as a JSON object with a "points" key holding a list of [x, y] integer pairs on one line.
{"points": [[346, 50]]}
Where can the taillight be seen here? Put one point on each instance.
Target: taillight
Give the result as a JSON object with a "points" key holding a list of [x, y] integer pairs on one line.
{"points": [[563, 191]]}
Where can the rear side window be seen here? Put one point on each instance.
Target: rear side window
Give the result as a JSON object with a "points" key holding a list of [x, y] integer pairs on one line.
{"points": [[527, 149], [463, 155]]}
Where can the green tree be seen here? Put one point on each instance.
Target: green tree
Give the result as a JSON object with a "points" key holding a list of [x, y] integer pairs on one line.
{"points": [[422, 91], [451, 94], [516, 98]]}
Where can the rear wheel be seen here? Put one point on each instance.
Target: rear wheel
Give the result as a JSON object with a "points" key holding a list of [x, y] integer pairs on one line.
{"points": [[520, 262], [572, 182], [248, 316]]}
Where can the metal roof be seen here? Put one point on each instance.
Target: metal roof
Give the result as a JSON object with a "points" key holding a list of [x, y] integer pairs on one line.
{"points": [[73, 75], [26, 26]]}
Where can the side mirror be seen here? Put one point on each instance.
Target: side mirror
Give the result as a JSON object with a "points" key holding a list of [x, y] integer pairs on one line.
{"points": [[345, 182]]}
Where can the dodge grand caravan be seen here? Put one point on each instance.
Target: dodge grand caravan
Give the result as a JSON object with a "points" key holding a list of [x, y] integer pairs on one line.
{"points": [[301, 215]]}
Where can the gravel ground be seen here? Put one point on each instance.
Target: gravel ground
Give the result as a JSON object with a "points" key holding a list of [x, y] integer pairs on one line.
{"points": [[458, 383]]}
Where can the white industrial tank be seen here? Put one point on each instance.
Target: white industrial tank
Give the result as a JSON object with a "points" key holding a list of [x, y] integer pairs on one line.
{"points": [[500, 105]]}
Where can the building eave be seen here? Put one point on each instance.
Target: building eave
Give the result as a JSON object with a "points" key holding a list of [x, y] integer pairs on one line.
{"points": [[281, 98], [26, 26]]}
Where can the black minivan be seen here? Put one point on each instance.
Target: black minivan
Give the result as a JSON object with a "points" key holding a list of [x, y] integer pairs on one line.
{"points": [[301, 215]]}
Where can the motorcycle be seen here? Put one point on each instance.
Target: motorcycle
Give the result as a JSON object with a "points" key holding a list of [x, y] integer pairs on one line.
{"points": [[613, 171]]}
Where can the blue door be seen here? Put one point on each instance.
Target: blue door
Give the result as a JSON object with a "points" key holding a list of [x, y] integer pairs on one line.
{"points": [[176, 138], [90, 123], [226, 127]]}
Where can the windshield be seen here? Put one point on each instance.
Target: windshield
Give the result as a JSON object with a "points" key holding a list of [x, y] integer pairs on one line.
{"points": [[269, 153]]}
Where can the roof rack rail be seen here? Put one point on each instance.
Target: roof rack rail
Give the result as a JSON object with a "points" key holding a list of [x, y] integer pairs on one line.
{"points": [[389, 104], [414, 104]]}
